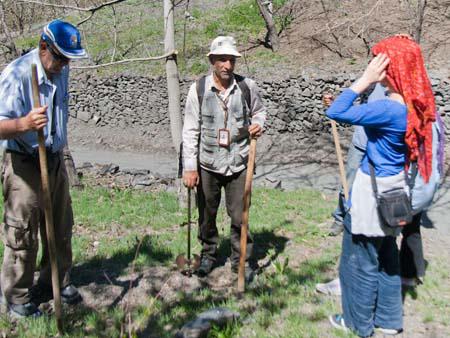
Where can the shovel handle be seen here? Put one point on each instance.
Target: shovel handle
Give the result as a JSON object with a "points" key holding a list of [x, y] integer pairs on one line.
{"points": [[48, 210], [245, 214], [189, 225], [337, 145]]}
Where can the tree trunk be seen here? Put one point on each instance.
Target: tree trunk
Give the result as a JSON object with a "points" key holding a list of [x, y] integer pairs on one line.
{"points": [[420, 13], [266, 12], [173, 89], [173, 83]]}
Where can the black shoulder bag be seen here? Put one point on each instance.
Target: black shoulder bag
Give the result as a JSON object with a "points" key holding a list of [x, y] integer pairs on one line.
{"points": [[394, 205]]}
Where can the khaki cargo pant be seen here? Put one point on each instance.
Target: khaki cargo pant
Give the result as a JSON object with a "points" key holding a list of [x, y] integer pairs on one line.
{"points": [[24, 215]]}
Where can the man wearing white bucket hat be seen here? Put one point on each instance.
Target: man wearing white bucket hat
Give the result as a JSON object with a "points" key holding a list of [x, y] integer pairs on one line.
{"points": [[222, 110], [23, 201]]}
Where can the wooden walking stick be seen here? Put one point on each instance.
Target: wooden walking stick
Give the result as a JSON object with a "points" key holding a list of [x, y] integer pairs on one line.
{"points": [[49, 225], [327, 99], [337, 145], [245, 214]]}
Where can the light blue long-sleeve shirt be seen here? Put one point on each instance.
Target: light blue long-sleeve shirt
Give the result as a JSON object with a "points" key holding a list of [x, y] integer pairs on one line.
{"points": [[16, 100], [384, 122]]}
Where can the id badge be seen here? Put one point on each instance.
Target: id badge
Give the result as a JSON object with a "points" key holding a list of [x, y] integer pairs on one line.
{"points": [[224, 137]]}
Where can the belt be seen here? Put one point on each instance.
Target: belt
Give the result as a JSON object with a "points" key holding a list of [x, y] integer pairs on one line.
{"points": [[50, 155]]}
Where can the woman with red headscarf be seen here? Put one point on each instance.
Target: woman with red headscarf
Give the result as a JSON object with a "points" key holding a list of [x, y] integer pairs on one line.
{"points": [[399, 130]]}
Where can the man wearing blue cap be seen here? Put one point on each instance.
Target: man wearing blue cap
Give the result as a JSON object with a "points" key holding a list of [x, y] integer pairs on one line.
{"points": [[23, 203]]}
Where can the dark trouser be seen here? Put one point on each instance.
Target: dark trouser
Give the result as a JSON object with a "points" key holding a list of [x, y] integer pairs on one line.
{"points": [[24, 217], [369, 274], [209, 193], [412, 261]]}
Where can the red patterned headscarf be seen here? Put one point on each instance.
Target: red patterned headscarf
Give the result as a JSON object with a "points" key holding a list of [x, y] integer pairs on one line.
{"points": [[407, 75]]}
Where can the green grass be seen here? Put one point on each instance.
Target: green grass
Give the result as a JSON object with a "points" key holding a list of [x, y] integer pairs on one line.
{"points": [[119, 232], [433, 297]]}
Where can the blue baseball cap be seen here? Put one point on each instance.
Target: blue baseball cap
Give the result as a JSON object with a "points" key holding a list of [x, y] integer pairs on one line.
{"points": [[65, 37]]}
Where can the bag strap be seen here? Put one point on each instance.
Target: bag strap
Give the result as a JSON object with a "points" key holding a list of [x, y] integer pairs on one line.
{"points": [[245, 93], [200, 86], [412, 180], [373, 179], [409, 181]]}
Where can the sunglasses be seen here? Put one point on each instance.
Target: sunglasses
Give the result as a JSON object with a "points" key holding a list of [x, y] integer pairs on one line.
{"points": [[57, 56]]}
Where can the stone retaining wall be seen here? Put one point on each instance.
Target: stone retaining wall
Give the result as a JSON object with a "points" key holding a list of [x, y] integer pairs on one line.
{"points": [[294, 104]]}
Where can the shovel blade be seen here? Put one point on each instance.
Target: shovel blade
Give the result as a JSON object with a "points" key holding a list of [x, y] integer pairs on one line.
{"points": [[195, 262], [181, 262]]}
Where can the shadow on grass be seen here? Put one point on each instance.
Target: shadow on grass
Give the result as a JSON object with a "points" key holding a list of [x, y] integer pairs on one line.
{"points": [[263, 242], [106, 270], [94, 269], [100, 271], [267, 297]]}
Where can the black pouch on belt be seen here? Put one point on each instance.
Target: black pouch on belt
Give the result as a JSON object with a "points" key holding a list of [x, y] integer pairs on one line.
{"points": [[394, 206]]}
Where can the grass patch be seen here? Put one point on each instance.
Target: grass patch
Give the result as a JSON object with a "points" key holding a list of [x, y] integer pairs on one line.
{"points": [[121, 234], [110, 226]]}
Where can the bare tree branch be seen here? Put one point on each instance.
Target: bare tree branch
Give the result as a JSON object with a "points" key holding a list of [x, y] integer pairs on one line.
{"points": [[81, 9], [421, 5], [115, 34], [85, 19], [186, 13], [350, 21], [271, 38], [9, 41], [91, 9], [152, 58]]}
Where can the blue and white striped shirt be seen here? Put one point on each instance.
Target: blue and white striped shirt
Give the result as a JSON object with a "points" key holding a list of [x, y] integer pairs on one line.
{"points": [[16, 100]]}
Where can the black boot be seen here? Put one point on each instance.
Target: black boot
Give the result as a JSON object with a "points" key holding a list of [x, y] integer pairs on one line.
{"points": [[206, 265]]}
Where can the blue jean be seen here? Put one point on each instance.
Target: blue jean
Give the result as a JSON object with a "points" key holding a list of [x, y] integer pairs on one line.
{"points": [[369, 274], [354, 158]]}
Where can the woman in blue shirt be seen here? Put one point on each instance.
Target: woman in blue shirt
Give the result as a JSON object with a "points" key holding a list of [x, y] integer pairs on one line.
{"points": [[397, 131], [369, 249]]}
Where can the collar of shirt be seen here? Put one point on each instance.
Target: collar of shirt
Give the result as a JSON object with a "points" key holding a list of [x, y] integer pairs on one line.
{"points": [[228, 91], [42, 75]]}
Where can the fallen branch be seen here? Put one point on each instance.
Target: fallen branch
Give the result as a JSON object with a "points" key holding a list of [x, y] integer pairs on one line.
{"points": [[152, 58]]}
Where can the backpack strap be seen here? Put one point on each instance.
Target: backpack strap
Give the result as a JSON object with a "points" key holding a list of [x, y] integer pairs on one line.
{"points": [[200, 86], [246, 95], [373, 180], [411, 180], [245, 90]]}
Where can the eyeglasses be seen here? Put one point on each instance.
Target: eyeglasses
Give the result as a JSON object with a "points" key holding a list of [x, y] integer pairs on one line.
{"points": [[56, 56]]}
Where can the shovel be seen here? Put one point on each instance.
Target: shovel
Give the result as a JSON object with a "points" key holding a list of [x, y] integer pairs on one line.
{"points": [[245, 215], [49, 225], [186, 265], [337, 145]]}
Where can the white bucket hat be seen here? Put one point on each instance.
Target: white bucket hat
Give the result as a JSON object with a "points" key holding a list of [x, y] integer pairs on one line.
{"points": [[224, 45]]}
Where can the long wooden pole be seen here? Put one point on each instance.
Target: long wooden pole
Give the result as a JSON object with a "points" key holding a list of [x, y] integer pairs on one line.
{"points": [[173, 81], [337, 145], [245, 214], [49, 225]]}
